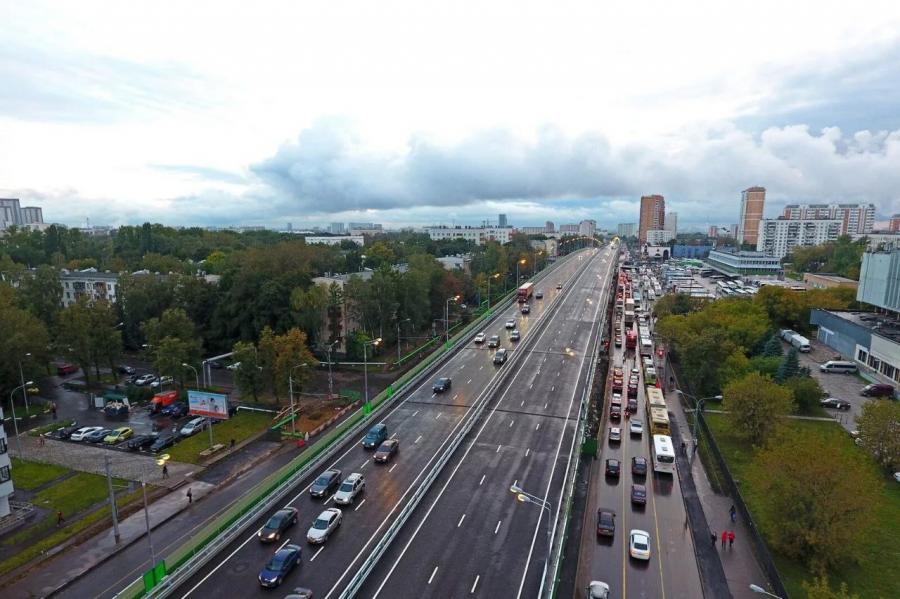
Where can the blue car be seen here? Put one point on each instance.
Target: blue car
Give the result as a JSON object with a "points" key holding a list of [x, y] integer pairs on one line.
{"points": [[281, 564], [175, 410]]}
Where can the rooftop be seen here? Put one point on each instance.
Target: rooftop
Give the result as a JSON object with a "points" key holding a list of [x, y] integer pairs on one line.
{"points": [[882, 325]]}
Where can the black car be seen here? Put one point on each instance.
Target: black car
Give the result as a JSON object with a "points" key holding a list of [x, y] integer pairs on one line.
{"points": [[441, 385], [66, 431], [98, 436], [606, 523], [837, 404], [277, 524], [141, 442], [613, 467], [124, 369], [163, 442], [281, 564], [501, 356], [639, 466], [386, 450], [639, 494], [175, 410], [326, 484]]}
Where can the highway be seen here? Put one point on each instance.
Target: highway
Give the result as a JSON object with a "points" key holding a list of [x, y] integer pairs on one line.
{"points": [[470, 537], [425, 423], [672, 570]]}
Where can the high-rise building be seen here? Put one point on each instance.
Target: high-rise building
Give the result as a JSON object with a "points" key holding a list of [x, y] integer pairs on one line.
{"points": [[895, 223], [587, 228], [13, 213], [753, 201], [336, 228], [778, 237], [548, 226], [626, 229], [659, 236], [672, 223], [856, 219], [501, 221], [653, 215]]}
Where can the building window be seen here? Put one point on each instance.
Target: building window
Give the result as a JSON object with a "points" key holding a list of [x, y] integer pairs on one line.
{"points": [[888, 370], [874, 363], [4, 474], [862, 355], [3, 446]]}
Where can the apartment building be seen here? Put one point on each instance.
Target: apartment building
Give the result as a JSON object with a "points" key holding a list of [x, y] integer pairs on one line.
{"points": [[856, 219], [779, 237]]}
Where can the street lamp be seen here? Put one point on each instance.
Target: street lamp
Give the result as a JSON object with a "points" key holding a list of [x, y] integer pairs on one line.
{"points": [[291, 394], [523, 497], [13, 406], [328, 348], [698, 407], [758, 589], [196, 374], [366, 344], [523, 261], [447, 315], [493, 276], [22, 381]]}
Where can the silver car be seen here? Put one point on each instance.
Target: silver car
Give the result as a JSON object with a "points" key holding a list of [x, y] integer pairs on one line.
{"points": [[352, 486], [324, 525]]}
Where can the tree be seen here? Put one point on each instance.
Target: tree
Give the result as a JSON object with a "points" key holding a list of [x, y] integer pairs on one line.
{"points": [[73, 337], [247, 377], [42, 294], [773, 348], [335, 309], [879, 429], [173, 341], [789, 367], [807, 393], [23, 333], [309, 307], [820, 589], [291, 350], [755, 405], [816, 498], [734, 367]]}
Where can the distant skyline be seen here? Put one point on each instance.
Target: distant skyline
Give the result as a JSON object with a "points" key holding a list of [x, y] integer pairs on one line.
{"points": [[319, 112]]}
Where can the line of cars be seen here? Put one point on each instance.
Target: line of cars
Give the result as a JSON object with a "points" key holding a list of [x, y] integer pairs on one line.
{"points": [[125, 438]]}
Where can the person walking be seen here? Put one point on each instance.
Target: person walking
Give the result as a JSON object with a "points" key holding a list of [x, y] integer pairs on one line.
{"points": [[684, 448], [712, 537], [731, 539], [41, 440], [59, 518], [53, 409], [190, 497], [733, 513], [724, 537], [165, 471]]}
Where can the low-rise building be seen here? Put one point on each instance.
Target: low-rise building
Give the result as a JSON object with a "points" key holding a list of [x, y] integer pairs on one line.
{"points": [[89, 283], [743, 263], [461, 263], [477, 235], [879, 278], [871, 341], [828, 281], [335, 240], [659, 236]]}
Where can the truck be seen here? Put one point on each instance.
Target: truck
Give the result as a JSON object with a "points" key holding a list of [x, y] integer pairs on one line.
{"points": [[629, 304], [630, 339], [525, 292], [800, 342], [161, 400], [629, 316]]}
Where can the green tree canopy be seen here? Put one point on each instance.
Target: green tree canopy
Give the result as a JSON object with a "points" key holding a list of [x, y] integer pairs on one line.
{"points": [[755, 406], [879, 429]]}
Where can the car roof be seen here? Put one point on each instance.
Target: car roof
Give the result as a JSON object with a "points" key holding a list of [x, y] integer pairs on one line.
{"points": [[330, 512], [638, 487], [354, 476], [331, 471], [639, 532]]}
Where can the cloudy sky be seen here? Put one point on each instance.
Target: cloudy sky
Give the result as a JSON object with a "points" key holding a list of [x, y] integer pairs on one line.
{"points": [[419, 112]]}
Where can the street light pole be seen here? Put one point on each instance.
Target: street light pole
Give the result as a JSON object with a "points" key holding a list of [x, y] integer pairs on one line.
{"points": [[329, 347], [147, 518], [22, 381], [291, 394], [366, 344], [758, 589], [447, 315], [196, 374], [15, 421], [398, 336]]}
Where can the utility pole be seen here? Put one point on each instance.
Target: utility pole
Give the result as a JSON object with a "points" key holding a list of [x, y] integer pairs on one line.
{"points": [[112, 500]]}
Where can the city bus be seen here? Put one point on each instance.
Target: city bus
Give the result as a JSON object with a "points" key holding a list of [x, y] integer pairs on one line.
{"points": [[663, 454], [655, 399], [659, 422]]}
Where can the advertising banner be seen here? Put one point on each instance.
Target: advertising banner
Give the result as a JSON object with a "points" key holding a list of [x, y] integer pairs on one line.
{"points": [[210, 405]]}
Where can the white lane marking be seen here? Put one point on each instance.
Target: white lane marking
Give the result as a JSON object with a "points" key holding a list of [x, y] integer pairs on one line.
{"points": [[531, 386], [364, 464], [545, 406], [419, 438], [481, 367], [538, 426], [461, 518], [438, 416], [523, 403], [433, 395], [414, 413], [515, 482], [283, 545], [553, 388], [475, 584], [527, 451], [498, 449], [394, 436], [558, 372], [511, 423], [316, 554], [392, 468], [482, 479], [470, 380], [455, 397], [359, 506], [433, 572], [329, 499], [498, 526]]}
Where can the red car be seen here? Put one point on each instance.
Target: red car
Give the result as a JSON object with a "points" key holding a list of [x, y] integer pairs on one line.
{"points": [[66, 369]]}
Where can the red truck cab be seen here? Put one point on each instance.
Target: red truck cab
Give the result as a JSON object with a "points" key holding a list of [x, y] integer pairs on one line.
{"points": [[161, 400]]}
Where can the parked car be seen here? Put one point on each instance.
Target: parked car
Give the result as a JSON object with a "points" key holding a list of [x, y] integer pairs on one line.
{"points": [[606, 523], [639, 544], [66, 431], [144, 379], [123, 433], [141, 442], [193, 426], [352, 486], [163, 380], [66, 369], [82, 432], [877, 390], [326, 484], [125, 369], [376, 435], [175, 410], [494, 341], [480, 337], [500, 356], [233, 366], [386, 450], [163, 442], [281, 564], [514, 335], [442, 384], [327, 522], [613, 467], [97, 436], [638, 494], [833, 402], [276, 526]]}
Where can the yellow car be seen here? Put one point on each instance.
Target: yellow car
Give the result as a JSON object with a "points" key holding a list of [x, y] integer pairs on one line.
{"points": [[118, 435]]}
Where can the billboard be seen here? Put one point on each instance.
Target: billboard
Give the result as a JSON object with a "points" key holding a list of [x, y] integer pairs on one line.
{"points": [[211, 405]]}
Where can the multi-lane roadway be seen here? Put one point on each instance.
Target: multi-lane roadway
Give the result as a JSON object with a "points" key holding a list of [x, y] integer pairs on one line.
{"points": [[425, 423]]}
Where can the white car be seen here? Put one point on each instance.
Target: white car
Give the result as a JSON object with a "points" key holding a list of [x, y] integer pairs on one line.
{"points": [[144, 379], [234, 366], [165, 380], [81, 433], [352, 486], [637, 427], [598, 590], [325, 524], [639, 544], [480, 337], [615, 434], [193, 427], [511, 323]]}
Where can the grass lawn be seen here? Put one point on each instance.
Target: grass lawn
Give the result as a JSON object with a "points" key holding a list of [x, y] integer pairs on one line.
{"points": [[873, 576], [30, 475], [239, 427], [75, 494]]}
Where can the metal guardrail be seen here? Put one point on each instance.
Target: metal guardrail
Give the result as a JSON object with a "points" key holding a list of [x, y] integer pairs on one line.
{"points": [[381, 547], [221, 537], [19, 512]]}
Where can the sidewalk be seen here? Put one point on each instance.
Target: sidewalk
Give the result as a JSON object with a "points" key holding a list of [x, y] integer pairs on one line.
{"points": [[739, 563]]}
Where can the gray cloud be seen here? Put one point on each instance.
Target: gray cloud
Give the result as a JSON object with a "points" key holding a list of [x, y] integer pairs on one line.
{"points": [[201, 172]]}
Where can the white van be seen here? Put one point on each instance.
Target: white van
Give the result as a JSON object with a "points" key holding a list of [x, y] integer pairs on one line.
{"points": [[838, 366], [800, 342]]}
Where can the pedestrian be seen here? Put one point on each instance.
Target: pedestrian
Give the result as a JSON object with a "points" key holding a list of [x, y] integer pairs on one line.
{"points": [[190, 497], [41, 440], [53, 409], [232, 444], [59, 518], [712, 537], [733, 513], [165, 471], [683, 448], [731, 539], [724, 536]]}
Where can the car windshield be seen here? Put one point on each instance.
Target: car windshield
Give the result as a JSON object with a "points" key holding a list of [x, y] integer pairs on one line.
{"points": [[347, 487], [321, 524], [639, 492], [324, 479], [639, 544], [277, 561], [606, 518]]}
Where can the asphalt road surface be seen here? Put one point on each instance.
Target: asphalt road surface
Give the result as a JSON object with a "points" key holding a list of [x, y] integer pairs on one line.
{"points": [[671, 571], [425, 423], [470, 537]]}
